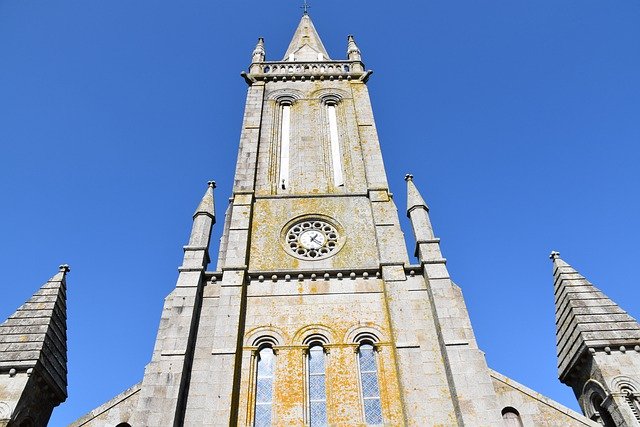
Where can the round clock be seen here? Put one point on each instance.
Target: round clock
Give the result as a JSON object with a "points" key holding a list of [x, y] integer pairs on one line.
{"points": [[312, 238]]}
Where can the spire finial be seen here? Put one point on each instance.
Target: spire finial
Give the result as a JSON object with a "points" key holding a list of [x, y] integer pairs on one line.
{"points": [[554, 255], [305, 7], [211, 184], [65, 268], [408, 177]]}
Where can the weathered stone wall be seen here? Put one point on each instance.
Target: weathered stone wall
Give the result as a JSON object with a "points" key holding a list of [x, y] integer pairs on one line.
{"points": [[118, 410], [535, 409]]}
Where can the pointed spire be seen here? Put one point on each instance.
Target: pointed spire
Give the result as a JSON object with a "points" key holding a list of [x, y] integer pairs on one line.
{"points": [[586, 319], [259, 53], [306, 44], [207, 204], [414, 199], [353, 52], [34, 338]]}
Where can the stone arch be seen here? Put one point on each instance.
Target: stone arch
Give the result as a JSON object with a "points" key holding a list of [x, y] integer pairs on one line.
{"points": [[622, 383], [285, 95], [334, 94], [264, 336], [310, 333], [365, 333], [593, 397]]}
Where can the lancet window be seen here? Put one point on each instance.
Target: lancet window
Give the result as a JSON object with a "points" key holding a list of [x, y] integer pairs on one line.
{"points": [[285, 137], [336, 156], [369, 384], [316, 379], [265, 361]]}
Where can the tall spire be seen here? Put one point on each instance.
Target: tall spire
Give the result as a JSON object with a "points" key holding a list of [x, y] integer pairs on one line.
{"points": [[586, 319], [306, 44], [33, 351]]}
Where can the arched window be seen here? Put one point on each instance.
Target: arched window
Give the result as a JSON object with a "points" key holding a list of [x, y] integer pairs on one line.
{"points": [[317, 385], [264, 387], [601, 415], [511, 417], [369, 384], [285, 134], [124, 425], [336, 157]]}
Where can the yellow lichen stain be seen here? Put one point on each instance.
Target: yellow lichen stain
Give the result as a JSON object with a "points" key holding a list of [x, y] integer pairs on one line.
{"points": [[297, 316]]}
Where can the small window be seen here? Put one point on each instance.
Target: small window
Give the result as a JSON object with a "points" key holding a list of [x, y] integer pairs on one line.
{"points": [[264, 387], [317, 386], [369, 384], [511, 417]]}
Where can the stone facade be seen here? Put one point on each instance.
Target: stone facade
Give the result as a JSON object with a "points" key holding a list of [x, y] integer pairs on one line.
{"points": [[313, 256]]}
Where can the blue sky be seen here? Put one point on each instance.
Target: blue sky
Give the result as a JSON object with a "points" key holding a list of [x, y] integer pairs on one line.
{"points": [[519, 120]]}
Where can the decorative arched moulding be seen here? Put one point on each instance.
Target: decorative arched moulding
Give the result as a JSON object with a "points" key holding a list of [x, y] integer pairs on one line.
{"points": [[264, 336], [366, 334], [331, 99], [314, 334], [622, 384], [285, 96], [591, 389], [330, 94]]}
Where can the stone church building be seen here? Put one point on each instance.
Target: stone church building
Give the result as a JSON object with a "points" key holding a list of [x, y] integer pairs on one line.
{"points": [[314, 314]]}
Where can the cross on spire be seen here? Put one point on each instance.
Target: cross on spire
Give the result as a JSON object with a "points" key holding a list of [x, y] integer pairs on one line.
{"points": [[305, 7]]}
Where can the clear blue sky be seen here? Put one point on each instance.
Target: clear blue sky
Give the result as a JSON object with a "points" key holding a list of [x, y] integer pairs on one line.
{"points": [[519, 120]]}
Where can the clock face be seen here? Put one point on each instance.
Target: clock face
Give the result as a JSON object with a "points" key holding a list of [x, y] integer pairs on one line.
{"points": [[312, 239]]}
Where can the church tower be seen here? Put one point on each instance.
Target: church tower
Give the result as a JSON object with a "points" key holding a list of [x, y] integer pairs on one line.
{"points": [[314, 314], [598, 349]]}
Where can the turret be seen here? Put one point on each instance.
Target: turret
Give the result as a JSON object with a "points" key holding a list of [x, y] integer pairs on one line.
{"points": [[33, 356], [427, 246], [259, 55], [353, 54], [598, 349], [197, 251]]}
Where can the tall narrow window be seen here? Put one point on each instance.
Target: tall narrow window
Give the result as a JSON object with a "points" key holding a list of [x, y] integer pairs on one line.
{"points": [[336, 160], [285, 130], [317, 387], [264, 388], [369, 384]]}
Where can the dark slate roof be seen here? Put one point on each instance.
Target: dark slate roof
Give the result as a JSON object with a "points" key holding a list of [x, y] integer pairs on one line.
{"points": [[586, 318], [35, 336]]}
